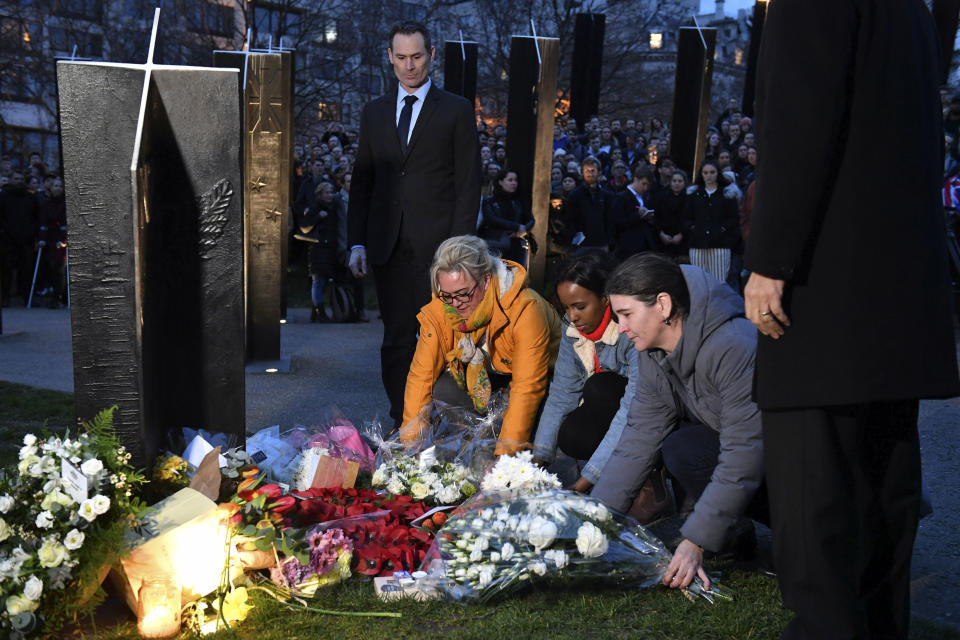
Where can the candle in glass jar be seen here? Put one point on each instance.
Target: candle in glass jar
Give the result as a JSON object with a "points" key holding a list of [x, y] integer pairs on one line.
{"points": [[160, 622], [159, 608]]}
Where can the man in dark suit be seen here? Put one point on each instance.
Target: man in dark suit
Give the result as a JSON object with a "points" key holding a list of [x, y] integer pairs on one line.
{"points": [[416, 182], [590, 208], [850, 290]]}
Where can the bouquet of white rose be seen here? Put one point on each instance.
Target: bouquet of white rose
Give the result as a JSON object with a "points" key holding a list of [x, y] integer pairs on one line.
{"points": [[496, 543], [64, 513], [424, 478]]}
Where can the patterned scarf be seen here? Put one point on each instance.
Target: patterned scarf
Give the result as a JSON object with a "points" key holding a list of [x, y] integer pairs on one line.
{"points": [[465, 361], [596, 334]]}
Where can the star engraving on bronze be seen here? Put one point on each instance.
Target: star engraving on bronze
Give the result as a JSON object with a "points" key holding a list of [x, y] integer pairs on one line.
{"points": [[273, 214], [258, 184], [258, 243]]}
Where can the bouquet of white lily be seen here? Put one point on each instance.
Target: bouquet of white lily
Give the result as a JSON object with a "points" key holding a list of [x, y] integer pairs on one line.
{"points": [[496, 543], [424, 478]]}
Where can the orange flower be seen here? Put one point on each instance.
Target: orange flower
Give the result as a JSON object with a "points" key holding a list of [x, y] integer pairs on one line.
{"points": [[227, 509]]}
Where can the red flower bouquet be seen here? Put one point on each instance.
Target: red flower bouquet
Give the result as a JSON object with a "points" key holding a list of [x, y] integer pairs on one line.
{"points": [[378, 525]]}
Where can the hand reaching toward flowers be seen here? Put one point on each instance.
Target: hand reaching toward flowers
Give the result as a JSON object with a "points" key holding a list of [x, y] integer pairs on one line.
{"points": [[582, 485], [686, 564]]}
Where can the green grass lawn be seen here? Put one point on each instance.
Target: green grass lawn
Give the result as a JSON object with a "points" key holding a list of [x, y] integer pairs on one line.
{"points": [[588, 611]]}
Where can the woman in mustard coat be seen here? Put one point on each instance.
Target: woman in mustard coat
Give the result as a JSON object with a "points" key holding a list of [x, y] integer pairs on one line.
{"points": [[483, 330]]}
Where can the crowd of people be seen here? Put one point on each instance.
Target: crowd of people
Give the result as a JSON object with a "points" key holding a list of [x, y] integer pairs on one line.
{"points": [[33, 233], [613, 186]]}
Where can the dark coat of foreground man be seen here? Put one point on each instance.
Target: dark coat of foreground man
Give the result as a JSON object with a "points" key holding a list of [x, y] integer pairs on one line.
{"points": [[858, 260], [405, 201]]}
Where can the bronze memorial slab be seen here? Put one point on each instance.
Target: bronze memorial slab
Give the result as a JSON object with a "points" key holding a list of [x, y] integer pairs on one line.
{"points": [[267, 152], [152, 175]]}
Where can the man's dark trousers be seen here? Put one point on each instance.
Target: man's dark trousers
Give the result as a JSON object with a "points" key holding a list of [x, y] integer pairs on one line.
{"points": [[403, 288], [845, 492]]}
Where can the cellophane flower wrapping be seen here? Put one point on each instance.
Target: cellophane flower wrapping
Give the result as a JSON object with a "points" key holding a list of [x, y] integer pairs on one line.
{"points": [[282, 455], [498, 542], [379, 526], [423, 477], [445, 462]]}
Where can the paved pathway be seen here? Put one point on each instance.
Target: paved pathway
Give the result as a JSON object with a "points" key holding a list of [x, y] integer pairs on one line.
{"points": [[338, 365]]}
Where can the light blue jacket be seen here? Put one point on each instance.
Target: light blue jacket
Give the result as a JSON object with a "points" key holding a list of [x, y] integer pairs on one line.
{"points": [[615, 353]]}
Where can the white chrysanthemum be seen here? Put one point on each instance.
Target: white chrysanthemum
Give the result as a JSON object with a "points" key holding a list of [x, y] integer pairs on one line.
{"points": [[539, 568], [29, 439], [429, 478], [33, 588], [449, 494], [101, 504], [44, 520], [91, 467], [591, 542], [395, 486], [506, 551], [73, 540], [379, 476], [6, 503], [476, 555]]}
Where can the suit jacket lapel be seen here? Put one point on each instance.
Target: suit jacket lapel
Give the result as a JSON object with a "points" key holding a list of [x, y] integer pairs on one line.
{"points": [[426, 111], [388, 116]]}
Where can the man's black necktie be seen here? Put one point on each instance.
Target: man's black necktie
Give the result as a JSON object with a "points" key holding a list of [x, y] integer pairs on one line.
{"points": [[403, 126]]}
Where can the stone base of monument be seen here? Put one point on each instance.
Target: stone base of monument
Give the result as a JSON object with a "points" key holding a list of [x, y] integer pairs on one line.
{"points": [[270, 366]]}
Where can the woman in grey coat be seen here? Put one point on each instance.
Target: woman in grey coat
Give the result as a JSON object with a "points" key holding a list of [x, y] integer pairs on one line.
{"points": [[692, 404]]}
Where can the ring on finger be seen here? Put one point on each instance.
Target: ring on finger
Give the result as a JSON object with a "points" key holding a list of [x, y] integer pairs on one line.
{"points": [[765, 314]]}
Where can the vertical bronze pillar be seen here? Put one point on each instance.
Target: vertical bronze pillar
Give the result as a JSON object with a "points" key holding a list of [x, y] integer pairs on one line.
{"points": [[152, 176], [587, 64], [530, 116], [267, 151], [691, 97], [460, 68], [756, 33]]}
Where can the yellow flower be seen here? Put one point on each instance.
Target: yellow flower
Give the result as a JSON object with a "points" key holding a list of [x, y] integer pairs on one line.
{"points": [[343, 563], [235, 607]]}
